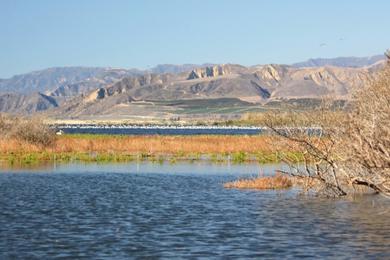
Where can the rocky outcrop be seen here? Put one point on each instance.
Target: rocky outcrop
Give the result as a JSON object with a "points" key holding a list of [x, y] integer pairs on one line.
{"points": [[272, 74], [208, 72]]}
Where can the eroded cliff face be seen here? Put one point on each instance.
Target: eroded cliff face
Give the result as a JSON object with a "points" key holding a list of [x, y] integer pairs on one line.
{"points": [[333, 81], [209, 72], [127, 85], [271, 75]]}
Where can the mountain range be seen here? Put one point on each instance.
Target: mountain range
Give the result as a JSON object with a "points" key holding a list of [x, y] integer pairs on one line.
{"points": [[189, 90], [353, 62]]}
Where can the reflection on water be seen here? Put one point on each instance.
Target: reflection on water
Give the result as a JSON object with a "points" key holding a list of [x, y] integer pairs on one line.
{"points": [[196, 167], [152, 210], [6, 166]]}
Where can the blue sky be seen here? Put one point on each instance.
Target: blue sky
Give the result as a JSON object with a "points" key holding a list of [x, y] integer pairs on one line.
{"points": [[47, 33]]}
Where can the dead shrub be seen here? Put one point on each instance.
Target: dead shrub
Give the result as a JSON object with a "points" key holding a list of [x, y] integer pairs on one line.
{"points": [[365, 146], [353, 150], [30, 130]]}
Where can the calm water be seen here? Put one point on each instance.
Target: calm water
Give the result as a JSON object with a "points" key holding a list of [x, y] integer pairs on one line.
{"points": [[150, 210], [177, 130], [164, 131]]}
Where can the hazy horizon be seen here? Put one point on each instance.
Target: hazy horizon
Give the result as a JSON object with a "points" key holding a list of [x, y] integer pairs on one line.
{"points": [[173, 64], [122, 34]]}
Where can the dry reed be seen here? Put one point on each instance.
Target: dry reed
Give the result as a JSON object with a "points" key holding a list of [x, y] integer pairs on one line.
{"points": [[277, 181], [146, 144]]}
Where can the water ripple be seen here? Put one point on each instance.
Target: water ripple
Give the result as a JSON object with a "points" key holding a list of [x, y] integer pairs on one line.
{"points": [[117, 215]]}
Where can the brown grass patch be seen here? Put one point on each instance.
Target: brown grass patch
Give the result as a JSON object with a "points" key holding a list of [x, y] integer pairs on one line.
{"points": [[147, 144], [262, 183], [237, 149]]}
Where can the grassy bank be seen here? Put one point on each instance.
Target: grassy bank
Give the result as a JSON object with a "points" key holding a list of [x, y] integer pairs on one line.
{"points": [[109, 148]]}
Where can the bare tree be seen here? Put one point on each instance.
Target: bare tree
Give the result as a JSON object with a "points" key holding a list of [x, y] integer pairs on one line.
{"points": [[338, 152], [314, 136], [367, 136]]}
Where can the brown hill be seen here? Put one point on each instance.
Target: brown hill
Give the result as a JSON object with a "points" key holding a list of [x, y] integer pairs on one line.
{"points": [[255, 86]]}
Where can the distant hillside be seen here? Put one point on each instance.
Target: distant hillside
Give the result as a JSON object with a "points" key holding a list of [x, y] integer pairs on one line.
{"points": [[353, 62], [71, 81], [166, 95], [53, 78], [26, 104], [174, 69], [171, 90]]}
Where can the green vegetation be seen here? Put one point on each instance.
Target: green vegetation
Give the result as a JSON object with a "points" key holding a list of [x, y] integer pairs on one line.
{"points": [[64, 157]]}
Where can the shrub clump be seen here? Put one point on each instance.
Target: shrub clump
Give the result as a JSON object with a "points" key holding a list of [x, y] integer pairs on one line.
{"points": [[31, 130]]}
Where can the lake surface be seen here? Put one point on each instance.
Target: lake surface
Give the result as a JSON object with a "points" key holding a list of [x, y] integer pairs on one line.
{"points": [[151, 210], [164, 130], [177, 130]]}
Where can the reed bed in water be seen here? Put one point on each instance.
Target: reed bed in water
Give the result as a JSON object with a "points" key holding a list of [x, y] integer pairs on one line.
{"points": [[146, 144], [277, 181], [124, 148]]}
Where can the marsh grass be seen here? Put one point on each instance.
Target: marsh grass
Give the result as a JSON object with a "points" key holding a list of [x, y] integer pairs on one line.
{"points": [[109, 148]]}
